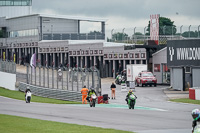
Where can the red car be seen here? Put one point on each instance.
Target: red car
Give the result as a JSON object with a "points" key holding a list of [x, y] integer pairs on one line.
{"points": [[145, 78]]}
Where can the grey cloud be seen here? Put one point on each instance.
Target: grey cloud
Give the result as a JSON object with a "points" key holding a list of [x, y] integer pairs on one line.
{"points": [[132, 9]]}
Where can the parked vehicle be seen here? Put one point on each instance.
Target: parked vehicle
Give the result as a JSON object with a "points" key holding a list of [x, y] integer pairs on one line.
{"points": [[131, 101], [145, 78], [133, 70], [93, 100], [28, 97]]}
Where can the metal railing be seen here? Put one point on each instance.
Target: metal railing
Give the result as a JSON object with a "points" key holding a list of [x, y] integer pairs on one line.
{"points": [[73, 36], [140, 35]]}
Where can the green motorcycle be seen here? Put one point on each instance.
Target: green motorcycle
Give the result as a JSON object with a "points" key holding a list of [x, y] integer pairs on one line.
{"points": [[131, 101]]}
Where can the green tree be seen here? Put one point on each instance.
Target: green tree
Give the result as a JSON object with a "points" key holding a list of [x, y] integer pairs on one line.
{"points": [[119, 36], [192, 34], [166, 27], [138, 35]]}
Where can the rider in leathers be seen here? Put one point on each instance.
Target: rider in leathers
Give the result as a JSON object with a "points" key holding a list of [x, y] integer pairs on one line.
{"points": [[196, 121], [92, 91], [129, 93]]}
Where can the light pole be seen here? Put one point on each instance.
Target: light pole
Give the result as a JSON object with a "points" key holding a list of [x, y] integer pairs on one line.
{"points": [[189, 31], [181, 30], [111, 33], [144, 33], [164, 29], [51, 32], [134, 33], [123, 34]]}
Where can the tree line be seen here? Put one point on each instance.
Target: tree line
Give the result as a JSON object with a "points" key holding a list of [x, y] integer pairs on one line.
{"points": [[166, 27]]}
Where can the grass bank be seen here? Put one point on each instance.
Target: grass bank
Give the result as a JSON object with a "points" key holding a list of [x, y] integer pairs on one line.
{"points": [[21, 96], [186, 100], [15, 124]]}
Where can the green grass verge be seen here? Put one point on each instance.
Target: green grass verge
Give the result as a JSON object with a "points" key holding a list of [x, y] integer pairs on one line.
{"points": [[15, 124], [21, 96], [186, 100]]}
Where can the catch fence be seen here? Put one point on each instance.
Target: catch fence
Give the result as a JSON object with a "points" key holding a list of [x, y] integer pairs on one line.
{"points": [[72, 79], [7, 66]]}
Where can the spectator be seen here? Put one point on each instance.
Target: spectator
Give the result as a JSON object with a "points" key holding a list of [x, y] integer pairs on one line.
{"points": [[112, 87]]}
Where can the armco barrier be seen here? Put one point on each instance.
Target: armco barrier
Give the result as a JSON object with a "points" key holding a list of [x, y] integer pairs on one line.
{"points": [[52, 93]]}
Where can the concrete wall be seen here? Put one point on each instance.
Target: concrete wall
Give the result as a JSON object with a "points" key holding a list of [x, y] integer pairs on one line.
{"points": [[7, 80], [197, 94]]}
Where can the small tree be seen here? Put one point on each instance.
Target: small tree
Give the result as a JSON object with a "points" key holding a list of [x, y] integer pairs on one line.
{"points": [[119, 36]]}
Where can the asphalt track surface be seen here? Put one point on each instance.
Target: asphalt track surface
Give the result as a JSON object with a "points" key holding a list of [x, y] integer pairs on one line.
{"points": [[152, 114]]}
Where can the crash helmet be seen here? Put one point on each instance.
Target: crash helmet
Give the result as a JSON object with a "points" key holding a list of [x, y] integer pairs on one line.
{"points": [[130, 91], [196, 114], [27, 88], [91, 88]]}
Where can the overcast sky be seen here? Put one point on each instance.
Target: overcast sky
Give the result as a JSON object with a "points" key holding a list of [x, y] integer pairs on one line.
{"points": [[124, 13]]}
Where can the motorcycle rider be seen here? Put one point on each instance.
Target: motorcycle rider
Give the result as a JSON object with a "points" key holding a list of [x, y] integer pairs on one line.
{"points": [[27, 89], [129, 93], [196, 122], [91, 91], [59, 74]]}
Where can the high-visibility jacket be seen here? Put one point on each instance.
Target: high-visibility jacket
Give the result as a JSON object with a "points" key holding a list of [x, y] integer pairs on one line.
{"points": [[84, 91], [91, 92]]}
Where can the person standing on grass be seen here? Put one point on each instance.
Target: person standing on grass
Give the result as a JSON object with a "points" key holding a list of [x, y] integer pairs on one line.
{"points": [[112, 87], [84, 92]]}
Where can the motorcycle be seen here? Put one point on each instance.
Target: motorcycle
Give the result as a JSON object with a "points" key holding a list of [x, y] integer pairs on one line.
{"points": [[28, 97], [93, 100], [131, 101], [197, 128], [123, 80], [118, 79]]}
